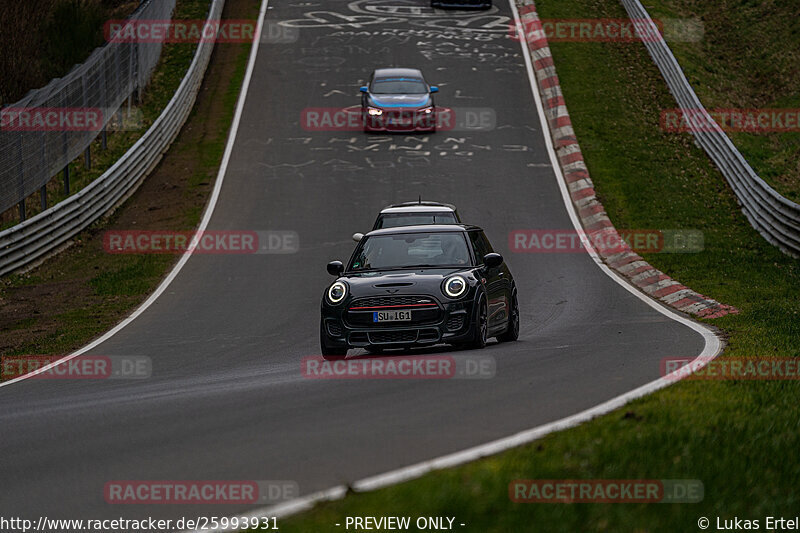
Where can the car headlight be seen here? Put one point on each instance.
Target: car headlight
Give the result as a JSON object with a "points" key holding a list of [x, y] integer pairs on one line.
{"points": [[426, 110], [455, 286], [374, 111], [337, 292]]}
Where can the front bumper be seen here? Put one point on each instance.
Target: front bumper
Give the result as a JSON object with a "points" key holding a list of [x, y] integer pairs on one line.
{"points": [[449, 323], [399, 121]]}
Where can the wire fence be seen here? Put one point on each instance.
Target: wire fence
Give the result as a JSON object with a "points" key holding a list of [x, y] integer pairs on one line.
{"points": [[25, 244], [51, 126]]}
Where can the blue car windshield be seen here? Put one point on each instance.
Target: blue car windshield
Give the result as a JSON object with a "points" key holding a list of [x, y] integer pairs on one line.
{"points": [[399, 86], [408, 250]]}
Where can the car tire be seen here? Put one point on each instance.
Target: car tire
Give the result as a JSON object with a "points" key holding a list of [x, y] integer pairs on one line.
{"points": [[329, 353], [481, 324], [512, 333]]}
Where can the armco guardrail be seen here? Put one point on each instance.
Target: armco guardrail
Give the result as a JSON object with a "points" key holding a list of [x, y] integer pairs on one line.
{"points": [[38, 236], [776, 218]]}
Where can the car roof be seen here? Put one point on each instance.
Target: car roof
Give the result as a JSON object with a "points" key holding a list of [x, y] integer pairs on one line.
{"points": [[427, 228], [422, 202], [398, 72], [416, 208]]}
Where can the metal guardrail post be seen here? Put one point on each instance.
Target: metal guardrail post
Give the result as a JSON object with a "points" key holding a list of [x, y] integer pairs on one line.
{"points": [[21, 179]]}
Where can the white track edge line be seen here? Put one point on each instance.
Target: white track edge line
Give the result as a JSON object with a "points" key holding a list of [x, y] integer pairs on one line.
{"points": [[713, 347], [209, 210]]}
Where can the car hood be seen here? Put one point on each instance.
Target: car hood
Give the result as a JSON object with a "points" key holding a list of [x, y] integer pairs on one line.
{"points": [[399, 100], [419, 281]]}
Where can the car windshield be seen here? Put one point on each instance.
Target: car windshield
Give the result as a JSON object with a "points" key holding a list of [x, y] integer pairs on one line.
{"points": [[409, 250], [399, 86], [415, 219]]}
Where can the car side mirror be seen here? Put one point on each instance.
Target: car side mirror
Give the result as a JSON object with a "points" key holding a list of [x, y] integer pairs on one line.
{"points": [[358, 236], [434, 89], [492, 260], [364, 89], [335, 268]]}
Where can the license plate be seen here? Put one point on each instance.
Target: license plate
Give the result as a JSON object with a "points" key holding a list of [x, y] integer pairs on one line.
{"points": [[391, 316], [399, 121]]}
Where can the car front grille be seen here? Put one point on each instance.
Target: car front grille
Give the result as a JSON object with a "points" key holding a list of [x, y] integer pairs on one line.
{"points": [[386, 337], [428, 335], [424, 311], [390, 301], [359, 337], [334, 328], [454, 323], [424, 335]]}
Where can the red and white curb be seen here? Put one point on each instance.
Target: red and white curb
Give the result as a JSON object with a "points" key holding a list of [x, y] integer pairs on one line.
{"points": [[591, 212]]}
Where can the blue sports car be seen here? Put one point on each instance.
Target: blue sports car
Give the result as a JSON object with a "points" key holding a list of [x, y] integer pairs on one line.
{"points": [[398, 99]]}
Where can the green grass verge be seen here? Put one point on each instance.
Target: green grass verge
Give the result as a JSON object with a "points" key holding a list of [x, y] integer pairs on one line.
{"points": [[167, 76], [738, 437], [748, 58]]}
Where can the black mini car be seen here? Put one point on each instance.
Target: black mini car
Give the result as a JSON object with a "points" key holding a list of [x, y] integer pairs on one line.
{"points": [[416, 286], [398, 100]]}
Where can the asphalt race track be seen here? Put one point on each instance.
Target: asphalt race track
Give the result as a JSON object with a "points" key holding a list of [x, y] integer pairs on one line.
{"points": [[227, 399]]}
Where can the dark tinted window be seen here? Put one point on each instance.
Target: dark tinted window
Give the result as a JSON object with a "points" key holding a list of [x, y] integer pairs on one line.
{"points": [[411, 249], [480, 244], [415, 219], [398, 86]]}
